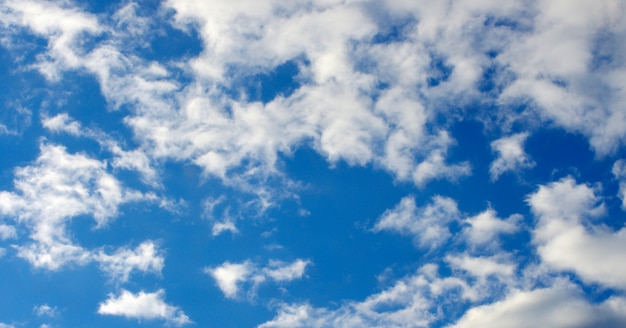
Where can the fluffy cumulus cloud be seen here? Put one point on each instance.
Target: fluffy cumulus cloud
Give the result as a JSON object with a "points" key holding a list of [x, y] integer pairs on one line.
{"points": [[568, 239], [142, 305], [561, 305], [230, 277], [388, 86], [485, 227], [511, 155], [428, 225]]}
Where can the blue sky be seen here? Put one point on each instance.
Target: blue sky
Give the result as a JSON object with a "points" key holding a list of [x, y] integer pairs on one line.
{"points": [[317, 163]]}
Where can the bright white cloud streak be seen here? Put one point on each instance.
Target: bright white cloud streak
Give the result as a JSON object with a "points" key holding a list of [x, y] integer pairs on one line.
{"points": [[142, 305]]}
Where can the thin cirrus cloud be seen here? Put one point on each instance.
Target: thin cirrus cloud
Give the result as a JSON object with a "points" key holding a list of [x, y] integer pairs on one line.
{"points": [[158, 137]]}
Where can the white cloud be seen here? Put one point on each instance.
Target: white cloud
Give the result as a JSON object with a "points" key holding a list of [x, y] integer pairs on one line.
{"points": [[145, 257], [434, 167], [561, 305], [6, 325], [567, 239], [281, 271], [223, 222], [135, 160], [483, 228], [482, 266], [230, 277], [425, 300], [15, 120], [339, 108], [63, 26], [7, 232], [557, 66], [619, 172], [333, 111], [45, 310], [3, 251], [414, 301], [148, 306], [428, 224], [62, 123], [53, 190], [511, 155], [220, 227]]}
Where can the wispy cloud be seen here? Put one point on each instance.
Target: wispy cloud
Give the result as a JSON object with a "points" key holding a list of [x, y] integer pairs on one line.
{"points": [[230, 277], [428, 224], [45, 310], [55, 189]]}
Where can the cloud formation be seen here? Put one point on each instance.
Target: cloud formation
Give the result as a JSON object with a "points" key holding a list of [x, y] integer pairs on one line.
{"points": [[511, 155], [59, 187], [567, 239], [379, 85], [230, 277], [428, 225], [142, 305]]}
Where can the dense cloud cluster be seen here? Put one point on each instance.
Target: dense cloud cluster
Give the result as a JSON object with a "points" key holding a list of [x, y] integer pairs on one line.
{"points": [[371, 84]]}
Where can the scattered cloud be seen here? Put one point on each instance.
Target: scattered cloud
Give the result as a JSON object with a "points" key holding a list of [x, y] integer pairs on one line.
{"points": [[379, 85], [58, 187], [231, 276], [7, 232], [220, 227], [45, 310], [142, 305], [483, 228], [567, 238], [511, 155], [15, 119], [619, 172], [428, 225], [135, 160], [281, 271], [228, 276], [146, 257], [560, 305], [414, 301], [482, 266]]}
